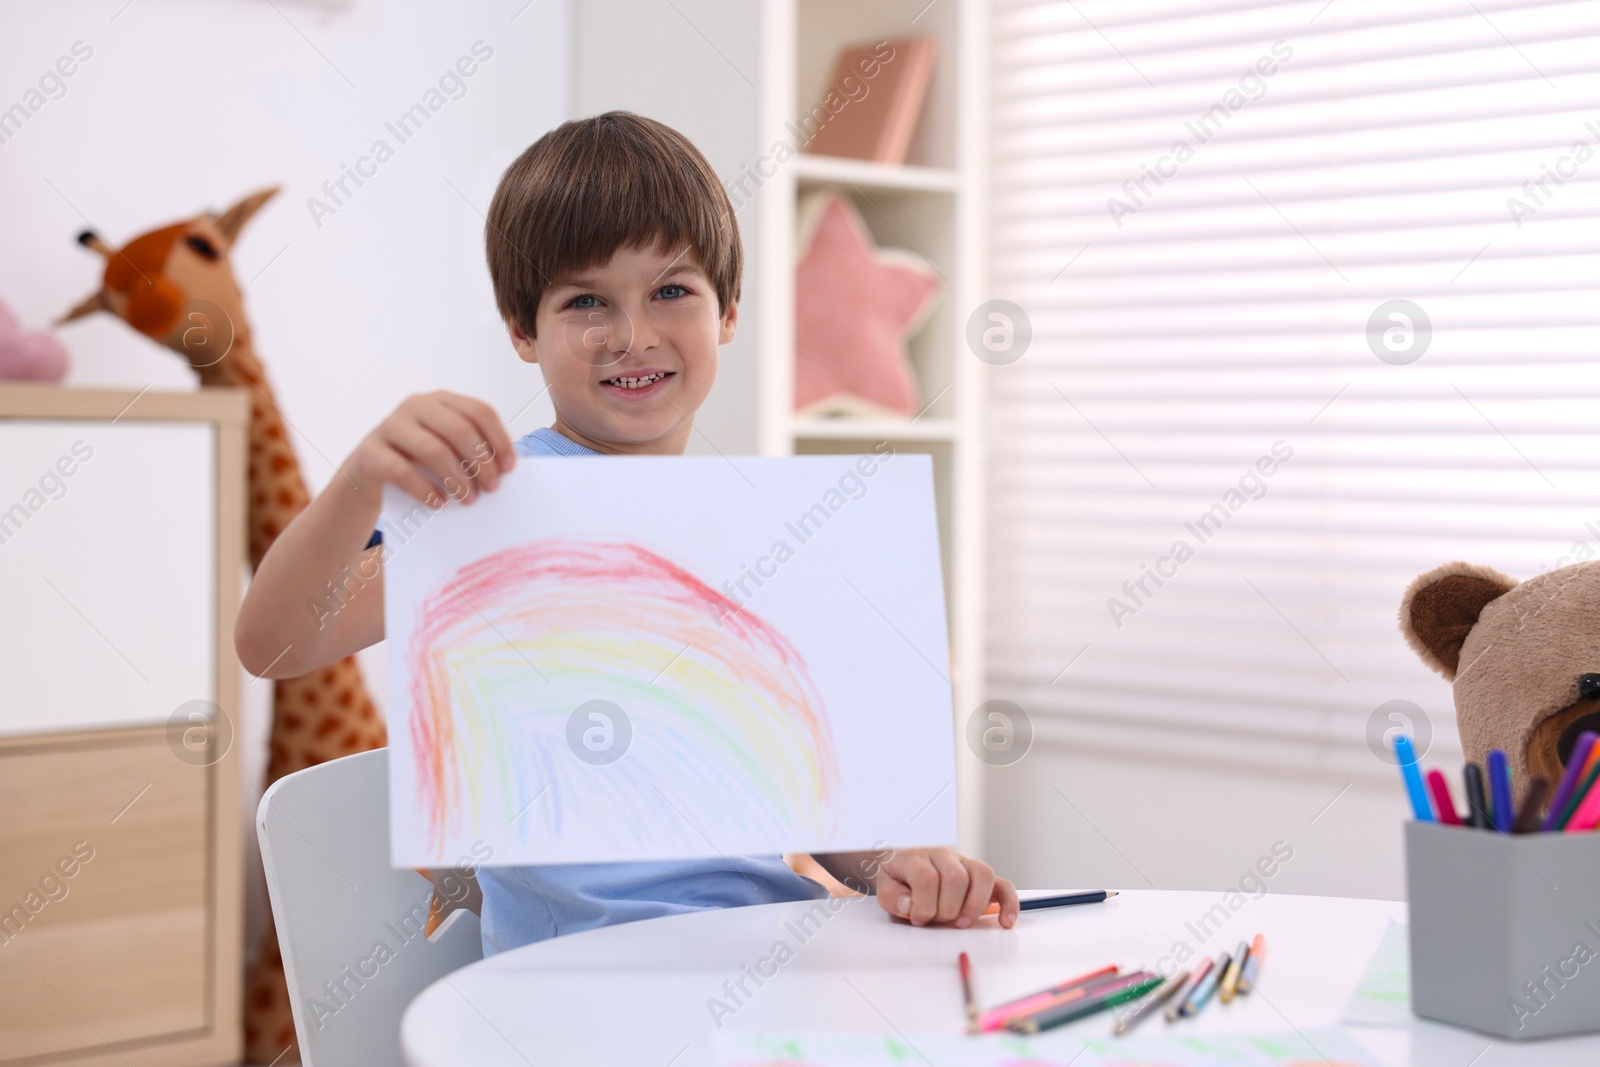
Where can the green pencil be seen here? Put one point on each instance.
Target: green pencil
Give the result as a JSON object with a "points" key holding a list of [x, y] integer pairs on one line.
{"points": [[1079, 1009]]}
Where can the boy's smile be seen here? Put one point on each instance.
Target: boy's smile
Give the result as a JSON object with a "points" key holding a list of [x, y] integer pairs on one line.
{"points": [[629, 349]]}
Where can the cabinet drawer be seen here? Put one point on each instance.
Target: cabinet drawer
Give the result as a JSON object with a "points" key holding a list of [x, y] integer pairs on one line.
{"points": [[106, 855]]}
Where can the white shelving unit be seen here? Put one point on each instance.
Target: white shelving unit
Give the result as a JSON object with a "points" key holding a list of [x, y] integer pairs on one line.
{"points": [[732, 75], [932, 205]]}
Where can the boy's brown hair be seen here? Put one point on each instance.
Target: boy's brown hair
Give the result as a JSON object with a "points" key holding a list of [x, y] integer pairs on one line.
{"points": [[594, 185]]}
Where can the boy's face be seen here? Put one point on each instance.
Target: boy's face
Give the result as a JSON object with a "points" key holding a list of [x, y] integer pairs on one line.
{"points": [[629, 349]]}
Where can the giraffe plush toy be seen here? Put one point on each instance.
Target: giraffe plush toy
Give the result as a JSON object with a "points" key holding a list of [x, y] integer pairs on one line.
{"points": [[176, 286]]}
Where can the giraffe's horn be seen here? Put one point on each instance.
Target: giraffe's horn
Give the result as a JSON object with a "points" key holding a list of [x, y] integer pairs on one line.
{"points": [[94, 302], [90, 239], [231, 221]]}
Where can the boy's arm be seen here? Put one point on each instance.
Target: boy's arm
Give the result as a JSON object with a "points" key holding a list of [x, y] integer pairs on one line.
{"points": [[925, 885], [432, 446]]}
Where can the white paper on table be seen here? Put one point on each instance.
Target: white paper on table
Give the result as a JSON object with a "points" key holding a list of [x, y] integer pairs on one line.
{"points": [[1330, 1045], [1383, 995], [765, 639]]}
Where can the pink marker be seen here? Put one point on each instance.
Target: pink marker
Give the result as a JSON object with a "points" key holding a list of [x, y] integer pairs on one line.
{"points": [[1587, 813]]}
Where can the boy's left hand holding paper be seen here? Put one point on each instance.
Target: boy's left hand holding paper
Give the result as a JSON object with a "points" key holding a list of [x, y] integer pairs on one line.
{"points": [[927, 885]]}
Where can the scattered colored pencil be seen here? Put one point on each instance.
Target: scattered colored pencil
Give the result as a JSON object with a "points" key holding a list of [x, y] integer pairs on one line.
{"points": [[997, 1017], [1132, 987], [1252, 964], [1196, 976], [1207, 989], [1230, 980], [966, 989], [1151, 1003]]}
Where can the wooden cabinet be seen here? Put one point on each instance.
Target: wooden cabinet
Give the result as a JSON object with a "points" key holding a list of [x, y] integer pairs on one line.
{"points": [[121, 541]]}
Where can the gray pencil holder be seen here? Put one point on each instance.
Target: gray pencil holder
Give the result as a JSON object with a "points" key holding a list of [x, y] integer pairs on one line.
{"points": [[1505, 930]]}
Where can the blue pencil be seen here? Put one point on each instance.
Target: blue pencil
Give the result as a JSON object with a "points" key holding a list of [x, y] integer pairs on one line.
{"points": [[1500, 791], [1413, 779], [1201, 994]]}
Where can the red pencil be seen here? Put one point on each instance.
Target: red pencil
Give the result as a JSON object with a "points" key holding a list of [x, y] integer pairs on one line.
{"points": [[966, 989], [1441, 798]]}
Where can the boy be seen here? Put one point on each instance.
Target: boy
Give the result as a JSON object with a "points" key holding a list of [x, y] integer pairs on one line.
{"points": [[615, 259]]}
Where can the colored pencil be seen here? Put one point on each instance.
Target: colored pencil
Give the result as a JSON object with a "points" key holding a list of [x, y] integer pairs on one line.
{"points": [[1477, 806], [1230, 980], [1087, 991], [1528, 817], [1133, 987], [995, 1018], [1252, 965], [1500, 791], [1198, 975], [966, 989], [1064, 900], [1406, 753], [1573, 774], [1205, 990], [1441, 798], [1151, 1002]]}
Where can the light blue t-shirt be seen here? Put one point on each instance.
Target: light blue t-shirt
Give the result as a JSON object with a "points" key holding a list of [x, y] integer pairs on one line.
{"points": [[522, 905]]}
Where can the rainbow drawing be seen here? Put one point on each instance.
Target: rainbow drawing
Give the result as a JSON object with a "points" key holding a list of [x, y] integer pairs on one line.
{"points": [[729, 736]]}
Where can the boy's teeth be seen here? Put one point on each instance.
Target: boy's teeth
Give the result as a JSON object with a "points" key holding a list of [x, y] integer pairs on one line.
{"points": [[635, 383]]}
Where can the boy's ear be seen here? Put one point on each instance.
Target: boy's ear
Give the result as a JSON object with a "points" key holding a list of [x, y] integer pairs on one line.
{"points": [[521, 342], [730, 323]]}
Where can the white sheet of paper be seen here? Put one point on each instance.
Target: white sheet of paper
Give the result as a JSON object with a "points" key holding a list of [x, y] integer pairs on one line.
{"points": [[629, 658], [1383, 996]]}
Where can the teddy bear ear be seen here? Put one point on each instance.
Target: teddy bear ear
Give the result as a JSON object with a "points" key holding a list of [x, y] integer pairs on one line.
{"points": [[1441, 607]]}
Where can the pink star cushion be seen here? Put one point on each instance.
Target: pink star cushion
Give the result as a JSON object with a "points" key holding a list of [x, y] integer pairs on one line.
{"points": [[854, 307]]}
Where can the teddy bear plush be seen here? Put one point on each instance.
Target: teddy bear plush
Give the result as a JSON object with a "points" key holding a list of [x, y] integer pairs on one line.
{"points": [[1524, 658]]}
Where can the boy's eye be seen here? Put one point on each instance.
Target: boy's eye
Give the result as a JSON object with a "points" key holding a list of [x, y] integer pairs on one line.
{"points": [[671, 292], [587, 300]]}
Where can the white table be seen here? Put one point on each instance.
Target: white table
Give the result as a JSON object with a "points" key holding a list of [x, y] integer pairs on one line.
{"points": [[638, 994]]}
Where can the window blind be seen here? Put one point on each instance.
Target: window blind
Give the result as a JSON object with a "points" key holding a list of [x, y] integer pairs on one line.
{"points": [[1312, 293]]}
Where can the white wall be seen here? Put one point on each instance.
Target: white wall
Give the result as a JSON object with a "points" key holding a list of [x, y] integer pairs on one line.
{"points": [[187, 105], [694, 65], [1071, 814]]}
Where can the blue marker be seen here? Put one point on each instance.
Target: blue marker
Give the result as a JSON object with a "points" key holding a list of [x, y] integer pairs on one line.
{"points": [[1413, 779], [1500, 791]]}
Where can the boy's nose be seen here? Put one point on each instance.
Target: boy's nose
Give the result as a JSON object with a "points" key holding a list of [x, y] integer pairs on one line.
{"points": [[628, 332], [603, 337]]}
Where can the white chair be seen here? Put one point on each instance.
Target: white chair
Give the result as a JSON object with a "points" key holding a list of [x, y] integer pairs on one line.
{"points": [[350, 927]]}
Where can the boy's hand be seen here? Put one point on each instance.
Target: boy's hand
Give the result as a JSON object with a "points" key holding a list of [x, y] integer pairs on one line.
{"points": [[434, 441], [928, 885]]}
